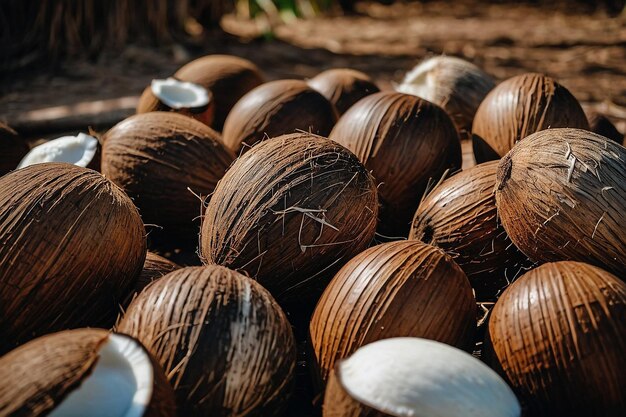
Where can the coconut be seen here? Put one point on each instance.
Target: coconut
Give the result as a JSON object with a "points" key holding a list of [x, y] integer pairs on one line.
{"points": [[12, 149], [452, 83], [182, 97], [561, 195], [405, 376], [84, 372], [407, 142], [518, 107], [276, 108], [558, 335], [164, 161], [227, 77], [598, 123], [402, 288], [343, 87], [460, 216], [224, 343], [81, 150], [290, 212], [154, 267], [72, 246]]}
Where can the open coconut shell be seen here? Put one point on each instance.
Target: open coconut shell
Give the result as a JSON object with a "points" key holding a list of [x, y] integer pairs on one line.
{"points": [[598, 123], [224, 343], [290, 212], [561, 195], [343, 87], [518, 107], [84, 372], [558, 335], [72, 246], [12, 149], [277, 108], [81, 150], [460, 216], [406, 142]]}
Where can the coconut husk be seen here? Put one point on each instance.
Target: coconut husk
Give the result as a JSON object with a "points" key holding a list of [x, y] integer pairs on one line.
{"points": [[12, 149], [343, 87], [598, 123]]}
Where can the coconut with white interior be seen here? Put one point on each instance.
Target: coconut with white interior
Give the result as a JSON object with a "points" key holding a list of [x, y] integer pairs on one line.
{"points": [[83, 372], [81, 150], [409, 377]]}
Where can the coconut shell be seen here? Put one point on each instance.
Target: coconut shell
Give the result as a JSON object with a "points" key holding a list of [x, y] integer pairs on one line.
{"points": [[223, 341], [558, 335], [343, 87], [598, 123], [290, 212], [227, 77], [36, 377], [12, 149], [460, 217], [277, 108], [402, 288], [561, 195], [72, 246], [521, 106], [406, 142], [154, 268], [164, 161], [148, 102]]}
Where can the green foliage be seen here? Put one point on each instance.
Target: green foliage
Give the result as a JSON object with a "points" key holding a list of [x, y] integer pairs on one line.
{"points": [[285, 9]]}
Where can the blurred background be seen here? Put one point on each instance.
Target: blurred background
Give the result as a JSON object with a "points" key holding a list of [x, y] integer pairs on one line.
{"points": [[69, 64]]}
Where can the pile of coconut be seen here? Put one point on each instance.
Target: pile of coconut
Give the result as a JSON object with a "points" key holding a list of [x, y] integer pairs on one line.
{"points": [[239, 247]]}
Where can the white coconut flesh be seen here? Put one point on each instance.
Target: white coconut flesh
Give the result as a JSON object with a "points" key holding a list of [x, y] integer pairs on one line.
{"points": [[179, 94], [421, 81], [78, 150], [412, 377], [120, 385]]}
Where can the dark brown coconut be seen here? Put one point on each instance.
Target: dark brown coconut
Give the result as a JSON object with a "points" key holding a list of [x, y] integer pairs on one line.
{"points": [[403, 288], [40, 377], [406, 142], [343, 87], [518, 107], [12, 149], [277, 108], [224, 343], [598, 123], [148, 102], [561, 195], [72, 246], [460, 217], [558, 335], [164, 161], [290, 212], [154, 267], [227, 77]]}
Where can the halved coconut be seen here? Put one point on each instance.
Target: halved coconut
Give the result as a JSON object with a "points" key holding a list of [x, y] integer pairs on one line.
{"points": [[84, 372], [80, 150], [405, 377]]}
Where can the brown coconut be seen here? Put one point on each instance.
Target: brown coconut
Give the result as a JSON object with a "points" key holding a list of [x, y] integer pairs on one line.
{"points": [[343, 87], [84, 372], [561, 195], [518, 107], [227, 77], [558, 335], [277, 108], [12, 149], [460, 216], [290, 212], [402, 288], [598, 123], [164, 162], [226, 346], [406, 142]]}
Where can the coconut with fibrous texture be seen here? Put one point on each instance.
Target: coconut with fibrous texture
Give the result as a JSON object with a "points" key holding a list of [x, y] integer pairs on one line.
{"points": [[84, 372], [81, 150], [558, 335], [343, 87], [521, 106], [277, 108], [72, 246], [154, 267], [460, 216], [406, 377], [407, 143], [561, 195], [458, 86], [225, 345], [165, 161], [227, 77], [403, 288], [290, 212], [600, 124], [12, 149]]}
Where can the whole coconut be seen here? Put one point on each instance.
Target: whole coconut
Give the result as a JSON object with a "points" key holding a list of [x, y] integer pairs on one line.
{"points": [[225, 345], [518, 107], [343, 87], [561, 195], [598, 123], [154, 267], [407, 143], [12, 149], [277, 108], [72, 246]]}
